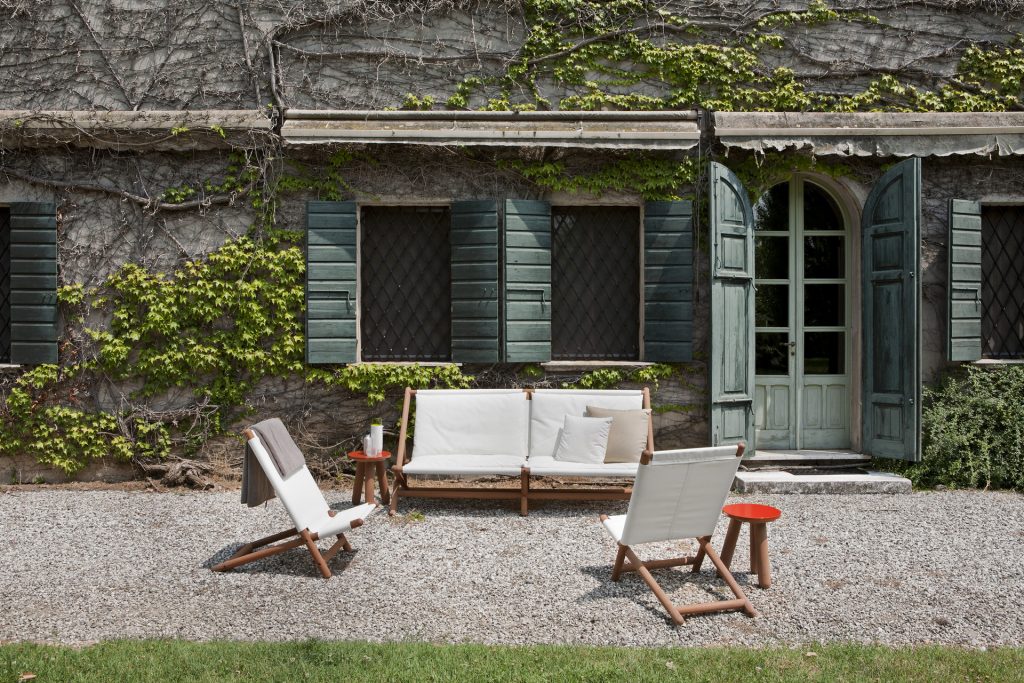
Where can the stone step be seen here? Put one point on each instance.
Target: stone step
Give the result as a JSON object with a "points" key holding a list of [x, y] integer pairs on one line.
{"points": [[780, 481], [805, 458]]}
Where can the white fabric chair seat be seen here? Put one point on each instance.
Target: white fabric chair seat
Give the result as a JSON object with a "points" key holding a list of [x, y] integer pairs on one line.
{"points": [[615, 525], [341, 521], [547, 466], [461, 465]]}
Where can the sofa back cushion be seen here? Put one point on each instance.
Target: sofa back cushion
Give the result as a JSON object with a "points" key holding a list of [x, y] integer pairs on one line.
{"points": [[471, 422], [550, 406]]}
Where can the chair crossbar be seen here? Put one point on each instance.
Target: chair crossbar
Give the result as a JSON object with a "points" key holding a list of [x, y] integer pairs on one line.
{"points": [[678, 612]]}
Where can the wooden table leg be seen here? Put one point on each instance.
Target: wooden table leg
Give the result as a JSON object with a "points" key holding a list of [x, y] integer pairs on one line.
{"points": [[369, 479], [730, 541], [382, 479], [357, 485], [764, 567], [753, 547]]}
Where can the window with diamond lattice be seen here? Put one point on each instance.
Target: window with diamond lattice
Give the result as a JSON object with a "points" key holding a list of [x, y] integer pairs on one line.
{"points": [[595, 283], [5, 285], [1002, 281], [405, 283]]}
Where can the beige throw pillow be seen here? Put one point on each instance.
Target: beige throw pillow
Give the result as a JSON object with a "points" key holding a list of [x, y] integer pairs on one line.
{"points": [[627, 437]]}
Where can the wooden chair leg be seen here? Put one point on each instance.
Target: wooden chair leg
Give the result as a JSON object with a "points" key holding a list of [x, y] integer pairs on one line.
{"points": [[653, 585], [315, 552], [727, 576], [248, 553], [341, 544], [698, 559], [357, 483], [620, 557]]}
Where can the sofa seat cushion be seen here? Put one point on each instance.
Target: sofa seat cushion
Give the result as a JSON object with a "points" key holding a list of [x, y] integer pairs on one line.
{"points": [[484, 422], [550, 406], [545, 466], [462, 465]]}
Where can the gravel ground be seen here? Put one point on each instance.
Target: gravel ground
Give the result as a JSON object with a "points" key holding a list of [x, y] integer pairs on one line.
{"points": [[78, 566]]}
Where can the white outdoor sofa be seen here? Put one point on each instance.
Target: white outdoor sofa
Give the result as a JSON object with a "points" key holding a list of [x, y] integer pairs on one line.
{"points": [[504, 433]]}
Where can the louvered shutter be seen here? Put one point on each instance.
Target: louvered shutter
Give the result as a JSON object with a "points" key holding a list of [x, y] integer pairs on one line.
{"points": [[964, 339], [668, 281], [732, 310], [891, 234], [33, 283], [330, 282], [527, 281], [474, 244]]}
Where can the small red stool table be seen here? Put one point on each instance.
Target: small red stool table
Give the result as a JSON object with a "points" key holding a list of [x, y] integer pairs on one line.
{"points": [[758, 517], [369, 467]]}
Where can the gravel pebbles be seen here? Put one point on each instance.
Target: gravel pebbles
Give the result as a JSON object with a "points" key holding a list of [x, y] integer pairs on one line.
{"points": [[79, 566]]}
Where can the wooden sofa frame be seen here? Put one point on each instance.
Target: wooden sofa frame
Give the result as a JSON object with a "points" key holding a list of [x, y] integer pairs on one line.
{"points": [[524, 494]]}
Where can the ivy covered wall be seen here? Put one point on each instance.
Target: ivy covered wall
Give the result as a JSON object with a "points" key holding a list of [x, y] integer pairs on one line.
{"points": [[182, 272]]}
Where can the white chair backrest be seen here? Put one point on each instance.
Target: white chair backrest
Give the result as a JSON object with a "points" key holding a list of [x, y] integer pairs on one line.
{"points": [[471, 422], [550, 406], [679, 494], [299, 493]]}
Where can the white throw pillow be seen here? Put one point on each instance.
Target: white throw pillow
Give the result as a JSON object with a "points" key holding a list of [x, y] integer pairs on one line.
{"points": [[583, 439]]}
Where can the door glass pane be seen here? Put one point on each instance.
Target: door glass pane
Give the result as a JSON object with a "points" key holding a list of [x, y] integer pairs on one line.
{"points": [[824, 305], [820, 211], [771, 257], [771, 353], [771, 306], [772, 210], [823, 256], [824, 353]]}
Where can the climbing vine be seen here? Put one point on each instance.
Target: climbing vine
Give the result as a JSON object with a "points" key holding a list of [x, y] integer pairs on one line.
{"points": [[217, 324], [632, 54]]}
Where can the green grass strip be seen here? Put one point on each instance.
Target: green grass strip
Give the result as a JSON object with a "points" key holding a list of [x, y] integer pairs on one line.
{"points": [[161, 660]]}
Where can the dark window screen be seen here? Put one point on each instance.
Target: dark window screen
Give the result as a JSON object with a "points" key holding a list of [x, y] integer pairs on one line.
{"points": [[595, 283], [405, 283], [5, 285], [1002, 281]]}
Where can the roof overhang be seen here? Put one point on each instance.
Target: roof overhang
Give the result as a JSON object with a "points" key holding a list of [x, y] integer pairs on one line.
{"points": [[124, 130], [874, 134], [603, 130]]}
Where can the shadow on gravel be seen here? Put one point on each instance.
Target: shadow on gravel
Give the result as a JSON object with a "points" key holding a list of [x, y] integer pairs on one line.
{"points": [[679, 583], [295, 562]]}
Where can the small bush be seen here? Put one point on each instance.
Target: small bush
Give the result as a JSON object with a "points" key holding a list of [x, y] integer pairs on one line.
{"points": [[973, 430]]}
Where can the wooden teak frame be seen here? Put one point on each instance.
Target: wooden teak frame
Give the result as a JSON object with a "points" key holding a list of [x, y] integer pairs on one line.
{"points": [[524, 494], [704, 549], [678, 612], [249, 553]]}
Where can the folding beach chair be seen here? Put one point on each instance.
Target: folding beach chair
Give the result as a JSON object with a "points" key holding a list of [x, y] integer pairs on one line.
{"points": [[313, 518], [678, 494]]}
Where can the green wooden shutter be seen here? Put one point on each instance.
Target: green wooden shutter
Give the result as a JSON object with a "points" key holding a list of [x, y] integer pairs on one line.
{"points": [[732, 310], [964, 339], [891, 233], [33, 283], [527, 281], [331, 282], [668, 281], [474, 240]]}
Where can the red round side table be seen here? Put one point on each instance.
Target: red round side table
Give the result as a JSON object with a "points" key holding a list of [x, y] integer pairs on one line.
{"points": [[758, 517], [369, 467]]}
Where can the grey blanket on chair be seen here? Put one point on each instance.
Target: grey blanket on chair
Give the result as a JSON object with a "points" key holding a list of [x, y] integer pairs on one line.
{"points": [[285, 455]]}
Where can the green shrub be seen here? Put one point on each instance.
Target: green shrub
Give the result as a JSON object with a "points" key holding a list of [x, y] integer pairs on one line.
{"points": [[973, 430]]}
